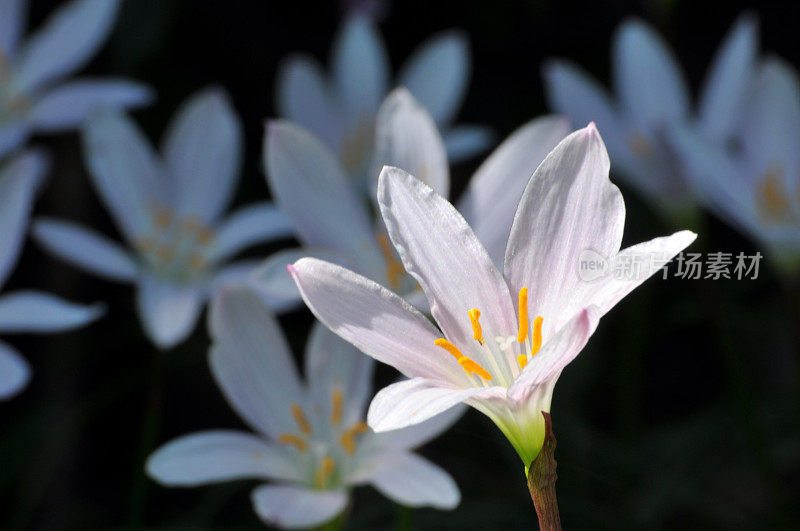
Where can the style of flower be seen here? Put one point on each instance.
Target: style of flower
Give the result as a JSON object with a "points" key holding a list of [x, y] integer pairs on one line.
{"points": [[341, 108], [311, 439], [311, 187], [651, 99], [169, 212], [34, 96], [497, 353], [26, 311]]}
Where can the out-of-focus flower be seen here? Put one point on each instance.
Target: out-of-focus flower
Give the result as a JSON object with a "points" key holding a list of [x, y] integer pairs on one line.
{"points": [[169, 211], [340, 108], [754, 182], [34, 96], [311, 187], [26, 311], [311, 439], [489, 351], [651, 98]]}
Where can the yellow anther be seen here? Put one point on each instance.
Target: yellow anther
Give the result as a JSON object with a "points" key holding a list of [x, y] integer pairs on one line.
{"points": [[300, 419], [162, 217], [165, 252], [326, 467], [477, 333], [466, 363], [536, 344], [197, 260], [394, 268], [348, 437], [522, 359], [449, 347], [772, 198], [522, 335], [336, 407], [293, 440]]}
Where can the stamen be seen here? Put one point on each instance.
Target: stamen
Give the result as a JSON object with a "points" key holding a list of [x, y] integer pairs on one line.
{"points": [[347, 438], [466, 363], [477, 333], [336, 409], [449, 347], [300, 419], [772, 197], [294, 440], [537, 335], [324, 471], [522, 359], [522, 335]]}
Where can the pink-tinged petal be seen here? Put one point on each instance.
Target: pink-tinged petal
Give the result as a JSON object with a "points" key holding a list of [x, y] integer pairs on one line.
{"points": [[413, 481], [416, 435], [410, 402], [15, 373], [494, 191], [375, 320], [290, 507], [168, 310], [569, 206], [252, 362], [440, 250], [214, 456], [406, 137]]}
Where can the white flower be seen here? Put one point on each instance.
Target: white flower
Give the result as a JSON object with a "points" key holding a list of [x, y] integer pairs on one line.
{"points": [[311, 440], [651, 98], [34, 96], [489, 351], [341, 108], [26, 311], [169, 211], [311, 187]]}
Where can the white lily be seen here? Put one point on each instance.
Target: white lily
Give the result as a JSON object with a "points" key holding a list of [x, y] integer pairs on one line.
{"points": [[311, 440], [341, 108], [169, 211], [34, 96], [652, 98], [26, 311], [487, 352], [310, 186]]}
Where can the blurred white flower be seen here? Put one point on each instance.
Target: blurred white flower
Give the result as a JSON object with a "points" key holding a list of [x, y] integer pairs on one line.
{"points": [[651, 98], [340, 109], [34, 96], [311, 439], [331, 219], [168, 209], [484, 353], [26, 311]]}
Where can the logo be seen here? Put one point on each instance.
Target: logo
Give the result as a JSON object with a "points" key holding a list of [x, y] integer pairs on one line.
{"points": [[592, 265]]}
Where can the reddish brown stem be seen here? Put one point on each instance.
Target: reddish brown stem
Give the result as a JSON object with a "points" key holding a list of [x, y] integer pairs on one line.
{"points": [[542, 481]]}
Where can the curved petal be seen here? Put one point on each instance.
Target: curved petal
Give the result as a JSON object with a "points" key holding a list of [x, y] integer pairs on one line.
{"points": [[438, 73], [250, 225], [37, 312], [85, 249], [418, 434], [202, 150], [71, 36], [647, 77], [360, 66], [413, 481], [15, 373], [465, 141], [246, 273], [13, 135], [568, 207], [13, 16], [290, 507], [252, 363], [493, 193], [375, 320], [168, 311], [214, 456], [406, 137], [440, 250]]}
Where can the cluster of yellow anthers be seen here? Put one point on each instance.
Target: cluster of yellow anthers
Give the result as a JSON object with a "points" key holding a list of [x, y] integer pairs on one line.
{"points": [[176, 238], [347, 438], [471, 366], [773, 199]]}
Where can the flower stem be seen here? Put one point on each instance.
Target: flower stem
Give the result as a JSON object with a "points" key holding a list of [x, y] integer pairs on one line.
{"points": [[542, 481]]}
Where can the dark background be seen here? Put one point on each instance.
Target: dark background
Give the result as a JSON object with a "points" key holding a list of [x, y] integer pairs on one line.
{"points": [[682, 411]]}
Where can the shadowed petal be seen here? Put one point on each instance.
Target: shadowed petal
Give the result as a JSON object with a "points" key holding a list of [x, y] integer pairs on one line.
{"points": [[465, 141], [291, 507], [169, 311], [15, 373], [250, 225], [38, 312]]}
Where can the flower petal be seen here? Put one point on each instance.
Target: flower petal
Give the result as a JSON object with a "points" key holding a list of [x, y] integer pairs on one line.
{"points": [[493, 193], [569, 206], [250, 225], [12, 135], [71, 36], [203, 154], [169, 311], [413, 481], [375, 320], [68, 106], [37, 312], [246, 273], [465, 141], [418, 434], [440, 250], [214, 456], [13, 16], [406, 137], [291, 507], [85, 249], [252, 362], [15, 373], [438, 73]]}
